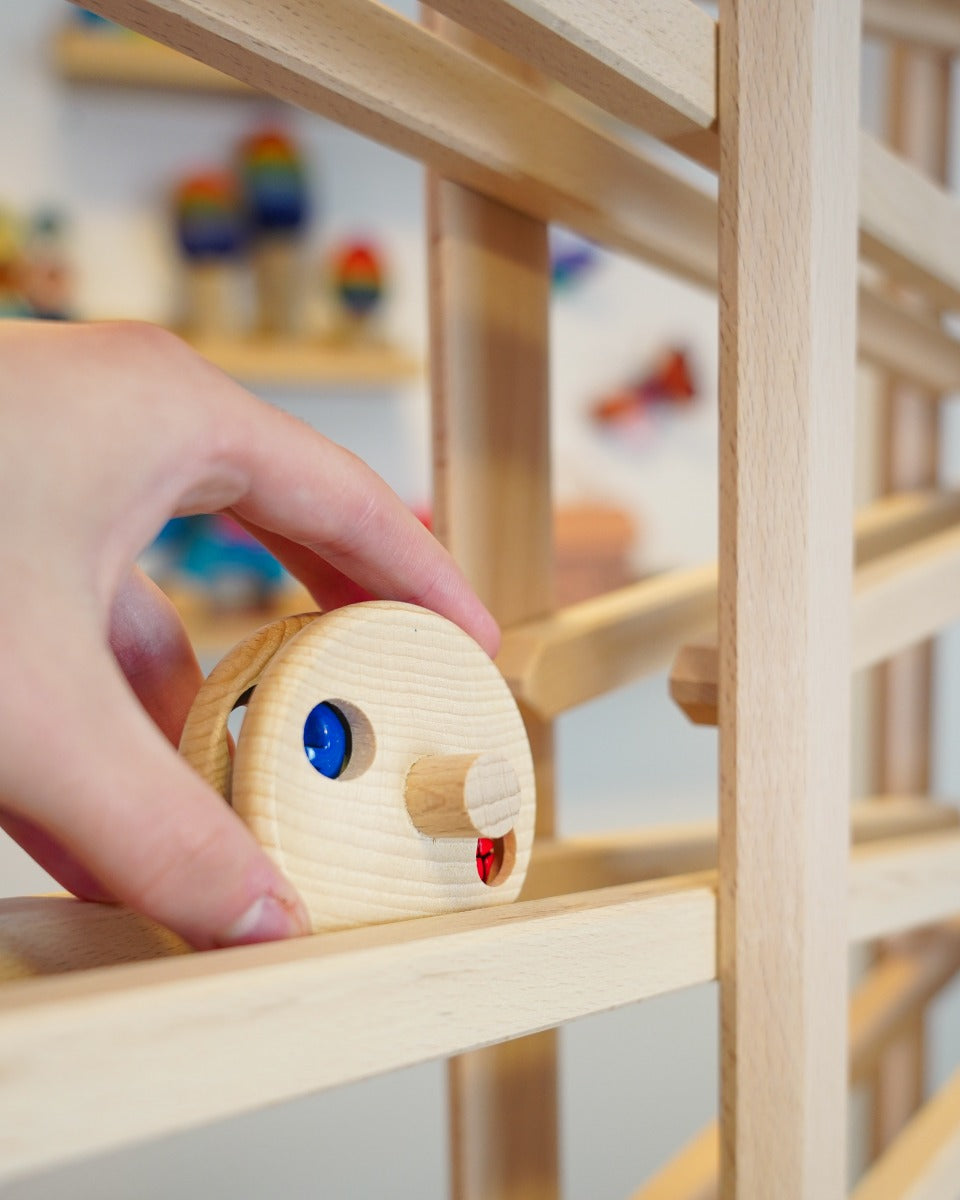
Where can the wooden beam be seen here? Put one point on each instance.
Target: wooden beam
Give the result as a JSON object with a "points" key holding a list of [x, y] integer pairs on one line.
{"points": [[370, 69], [932, 24], [277, 1021], [787, 360], [924, 1161], [599, 644], [589, 648], [907, 344], [909, 225], [653, 65], [885, 1001], [489, 271], [899, 599], [52, 935]]}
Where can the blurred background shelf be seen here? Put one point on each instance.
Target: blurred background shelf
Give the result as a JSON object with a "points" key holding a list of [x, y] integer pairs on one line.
{"points": [[302, 363], [128, 60]]}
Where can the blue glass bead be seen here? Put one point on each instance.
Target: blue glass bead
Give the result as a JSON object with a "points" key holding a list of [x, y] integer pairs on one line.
{"points": [[326, 739]]}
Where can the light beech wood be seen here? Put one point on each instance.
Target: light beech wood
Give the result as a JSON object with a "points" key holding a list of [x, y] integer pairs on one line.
{"points": [[907, 344], [276, 1021], [370, 69], [652, 64], [45, 935], [900, 598], [307, 362], [924, 1161], [463, 795], [589, 648], [490, 401], [785, 573], [885, 1001], [933, 24], [917, 126], [419, 695], [908, 225]]}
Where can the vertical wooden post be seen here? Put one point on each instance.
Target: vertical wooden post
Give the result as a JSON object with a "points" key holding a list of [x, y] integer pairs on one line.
{"points": [[918, 104], [489, 363], [788, 220]]}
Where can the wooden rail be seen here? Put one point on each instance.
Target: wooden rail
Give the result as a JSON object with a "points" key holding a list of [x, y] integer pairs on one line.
{"points": [[884, 1001], [932, 24], [899, 599], [276, 1021], [589, 648]]}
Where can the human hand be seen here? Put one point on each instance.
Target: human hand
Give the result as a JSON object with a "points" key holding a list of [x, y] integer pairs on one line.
{"points": [[106, 431]]}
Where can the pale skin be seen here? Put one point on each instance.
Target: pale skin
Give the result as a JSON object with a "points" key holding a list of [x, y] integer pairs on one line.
{"points": [[107, 431]]}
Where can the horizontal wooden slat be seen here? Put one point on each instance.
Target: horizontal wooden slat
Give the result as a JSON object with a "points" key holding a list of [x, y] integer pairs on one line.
{"points": [[276, 1021], [934, 24], [886, 998], [51, 935], [652, 64], [908, 224], [608, 860], [374, 71], [273, 1022], [592, 647], [586, 649], [908, 345], [924, 1161], [901, 885], [900, 598]]}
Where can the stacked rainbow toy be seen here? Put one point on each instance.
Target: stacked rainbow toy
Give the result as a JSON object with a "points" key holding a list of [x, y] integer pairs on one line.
{"points": [[276, 202], [209, 223]]}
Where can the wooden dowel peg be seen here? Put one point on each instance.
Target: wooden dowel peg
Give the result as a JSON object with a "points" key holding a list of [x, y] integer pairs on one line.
{"points": [[463, 795]]}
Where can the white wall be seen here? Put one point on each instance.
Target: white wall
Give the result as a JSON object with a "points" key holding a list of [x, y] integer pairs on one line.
{"points": [[635, 1083]]}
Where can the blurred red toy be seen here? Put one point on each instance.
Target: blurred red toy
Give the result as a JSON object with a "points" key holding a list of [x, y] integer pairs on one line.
{"points": [[670, 383]]}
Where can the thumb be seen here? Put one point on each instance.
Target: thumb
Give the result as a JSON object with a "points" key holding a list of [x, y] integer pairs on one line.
{"points": [[124, 805]]}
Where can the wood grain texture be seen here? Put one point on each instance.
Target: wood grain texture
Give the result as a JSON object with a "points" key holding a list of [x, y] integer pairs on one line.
{"points": [[277, 1021], [461, 795], [924, 1161], [554, 663], [292, 1017], [204, 742], [410, 684], [788, 113], [374, 71], [899, 599], [50, 935], [489, 279], [652, 64], [884, 1002]]}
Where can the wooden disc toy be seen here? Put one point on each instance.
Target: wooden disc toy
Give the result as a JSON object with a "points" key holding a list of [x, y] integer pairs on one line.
{"points": [[382, 763]]}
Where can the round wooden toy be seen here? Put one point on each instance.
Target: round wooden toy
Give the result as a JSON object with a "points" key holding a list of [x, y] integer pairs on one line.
{"points": [[382, 763]]}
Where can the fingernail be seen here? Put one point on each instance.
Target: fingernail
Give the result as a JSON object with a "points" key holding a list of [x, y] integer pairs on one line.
{"points": [[268, 919]]}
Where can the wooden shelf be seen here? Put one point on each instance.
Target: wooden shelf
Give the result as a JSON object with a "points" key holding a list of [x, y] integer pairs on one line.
{"points": [[302, 363], [129, 60]]}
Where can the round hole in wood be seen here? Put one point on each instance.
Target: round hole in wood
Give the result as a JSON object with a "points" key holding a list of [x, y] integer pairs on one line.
{"points": [[495, 858]]}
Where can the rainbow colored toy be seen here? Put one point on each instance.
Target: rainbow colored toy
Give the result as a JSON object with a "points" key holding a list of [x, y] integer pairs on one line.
{"points": [[209, 217], [357, 277]]}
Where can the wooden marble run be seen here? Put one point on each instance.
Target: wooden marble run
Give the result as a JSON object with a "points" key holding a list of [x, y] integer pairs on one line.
{"points": [[513, 105]]}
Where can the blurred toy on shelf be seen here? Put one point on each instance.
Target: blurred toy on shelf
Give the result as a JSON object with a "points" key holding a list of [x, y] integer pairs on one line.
{"points": [[572, 258], [94, 23], [669, 384], [35, 275], [356, 274], [217, 558], [594, 544], [274, 184], [210, 233]]}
